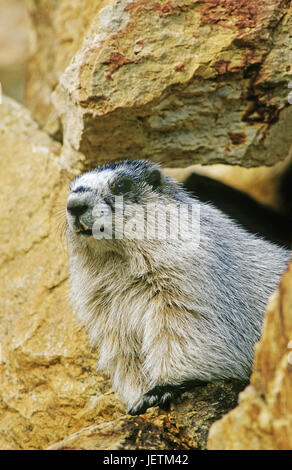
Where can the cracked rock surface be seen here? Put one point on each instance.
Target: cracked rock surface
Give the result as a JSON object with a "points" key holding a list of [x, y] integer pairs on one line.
{"points": [[178, 82]]}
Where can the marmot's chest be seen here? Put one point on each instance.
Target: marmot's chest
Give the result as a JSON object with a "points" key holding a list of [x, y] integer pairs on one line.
{"points": [[119, 306], [122, 321], [127, 301]]}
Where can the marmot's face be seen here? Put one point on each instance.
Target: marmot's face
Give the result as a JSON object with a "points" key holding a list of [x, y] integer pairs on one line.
{"points": [[96, 196]]}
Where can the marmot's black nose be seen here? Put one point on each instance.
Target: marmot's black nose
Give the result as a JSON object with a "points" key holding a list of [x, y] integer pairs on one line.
{"points": [[76, 208]]}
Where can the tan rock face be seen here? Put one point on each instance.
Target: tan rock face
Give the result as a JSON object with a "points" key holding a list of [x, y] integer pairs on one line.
{"points": [[177, 82], [15, 47], [59, 30], [47, 374], [263, 419]]}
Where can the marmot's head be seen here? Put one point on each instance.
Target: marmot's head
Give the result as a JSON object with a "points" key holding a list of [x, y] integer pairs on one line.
{"points": [[94, 195]]}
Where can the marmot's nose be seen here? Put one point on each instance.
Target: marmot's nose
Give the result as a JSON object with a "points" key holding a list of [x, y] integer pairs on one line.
{"points": [[76, 208]]}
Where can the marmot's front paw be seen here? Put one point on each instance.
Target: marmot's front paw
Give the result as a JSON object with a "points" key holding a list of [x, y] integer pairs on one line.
{"points": [[161, 395]]}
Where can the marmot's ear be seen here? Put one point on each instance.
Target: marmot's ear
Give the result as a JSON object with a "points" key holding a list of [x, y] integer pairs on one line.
{"points": [[154, 178]]}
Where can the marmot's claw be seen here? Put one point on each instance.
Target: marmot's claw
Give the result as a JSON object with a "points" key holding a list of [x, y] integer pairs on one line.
{"points": [[143, 404], [160, 395]]}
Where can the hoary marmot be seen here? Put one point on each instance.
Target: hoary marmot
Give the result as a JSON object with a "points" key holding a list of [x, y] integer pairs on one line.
{"points": [[164, 310]]}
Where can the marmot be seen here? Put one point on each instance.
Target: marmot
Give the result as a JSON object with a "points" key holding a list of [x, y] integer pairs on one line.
{"points": [[165, 311]]}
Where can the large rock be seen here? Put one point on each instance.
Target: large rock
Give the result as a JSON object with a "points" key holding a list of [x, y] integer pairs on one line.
{"points": [[16, 45], [49, 387], [59, 30], [186, 426], [263, 419], [177, 82]]}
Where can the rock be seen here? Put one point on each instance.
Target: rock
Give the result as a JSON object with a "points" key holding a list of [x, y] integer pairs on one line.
{"points": [[15, 33], [194, 412], [177, 82], [263, 419], [123, 433], [185, 426], [49, 386], [15, 47], [59, 30]]}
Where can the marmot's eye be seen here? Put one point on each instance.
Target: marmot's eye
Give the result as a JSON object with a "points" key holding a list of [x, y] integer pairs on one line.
{"points": [[122, 186]]}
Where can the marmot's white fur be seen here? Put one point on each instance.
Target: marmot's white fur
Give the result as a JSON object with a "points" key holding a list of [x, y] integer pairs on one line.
{"points": [[166, 312]]}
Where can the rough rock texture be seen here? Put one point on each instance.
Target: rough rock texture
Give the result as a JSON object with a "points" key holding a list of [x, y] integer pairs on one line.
{"points": [[184, 427], [263, 419], [60, 27], [175, 81], [15, 46], [49, 386]]}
